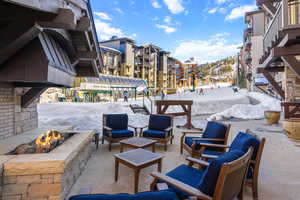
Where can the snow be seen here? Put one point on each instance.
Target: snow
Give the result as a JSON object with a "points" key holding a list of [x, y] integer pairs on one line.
{"points": [[249, 111], [222, 103]]}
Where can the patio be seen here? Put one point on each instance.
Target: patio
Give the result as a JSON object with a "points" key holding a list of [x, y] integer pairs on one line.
{"points": [[279, 167]]}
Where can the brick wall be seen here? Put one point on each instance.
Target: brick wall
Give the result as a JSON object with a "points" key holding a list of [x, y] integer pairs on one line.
{"points": [[7, 118], [13, 118]]}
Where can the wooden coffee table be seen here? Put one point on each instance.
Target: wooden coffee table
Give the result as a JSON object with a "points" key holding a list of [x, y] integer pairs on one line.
{"points": [[137, 159], [137, 142]]}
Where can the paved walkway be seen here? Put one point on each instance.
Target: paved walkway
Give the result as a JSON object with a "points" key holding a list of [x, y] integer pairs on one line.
{"points": [[279, 175]]}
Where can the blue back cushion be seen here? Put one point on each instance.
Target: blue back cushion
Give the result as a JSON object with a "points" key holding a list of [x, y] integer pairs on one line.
{"points": [[215, 130], [117, 121], [161, 195], [159, 122], [211, 173], [243, 141]]}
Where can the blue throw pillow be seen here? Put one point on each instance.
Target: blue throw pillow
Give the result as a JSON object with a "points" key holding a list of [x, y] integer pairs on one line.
{"points": [[215, 130], [159, 122], [243, 141], [117, 121], [211, 173]]}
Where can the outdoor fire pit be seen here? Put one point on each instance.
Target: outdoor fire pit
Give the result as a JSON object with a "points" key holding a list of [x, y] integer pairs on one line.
{"points": [[43, 164], [43, 143]]}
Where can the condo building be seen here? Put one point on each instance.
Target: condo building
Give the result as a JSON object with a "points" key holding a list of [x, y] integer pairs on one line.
{"points": [[279, 48]]}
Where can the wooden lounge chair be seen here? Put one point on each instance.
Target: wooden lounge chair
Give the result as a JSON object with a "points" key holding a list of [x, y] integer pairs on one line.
{"points": [[223, 178], [115, 128], [215, 132], [160, 128], [253, 171], [161, 195]]}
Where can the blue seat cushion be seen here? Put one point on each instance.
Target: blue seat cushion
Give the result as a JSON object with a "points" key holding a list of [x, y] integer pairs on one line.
{"points": [[154, 133], [215, 130], [187, 175], [159, 122], [117, 121], [161, 195], [189, 141], [120, 133], [211, 173], [243, 141]]}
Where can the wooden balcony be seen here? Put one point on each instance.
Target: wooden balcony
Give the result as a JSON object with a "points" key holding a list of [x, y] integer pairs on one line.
{"points": [[291, 110], [283, 31]]}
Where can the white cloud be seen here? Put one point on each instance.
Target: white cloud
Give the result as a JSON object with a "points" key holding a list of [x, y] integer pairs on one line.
{"points": [[105, 30], [239, 12], [212, 11], [186, 12], [155, 4], [102, 15], [134, 35], [221, 1], [168, 20], [119, 10], [175, 6], [167, 29], [215, 48]]}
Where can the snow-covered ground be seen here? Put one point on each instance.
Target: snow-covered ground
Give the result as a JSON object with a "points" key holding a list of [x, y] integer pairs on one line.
{"points": [[222, 103]]}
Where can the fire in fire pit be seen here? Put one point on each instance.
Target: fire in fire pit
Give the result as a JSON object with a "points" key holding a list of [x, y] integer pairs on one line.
{"points": [[43, 144]]}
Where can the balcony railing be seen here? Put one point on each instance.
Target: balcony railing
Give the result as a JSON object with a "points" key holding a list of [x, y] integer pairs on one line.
{"points": [[271, 37]]}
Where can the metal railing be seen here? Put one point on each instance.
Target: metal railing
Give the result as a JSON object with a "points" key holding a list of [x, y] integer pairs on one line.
{"points": [[272, 34]]}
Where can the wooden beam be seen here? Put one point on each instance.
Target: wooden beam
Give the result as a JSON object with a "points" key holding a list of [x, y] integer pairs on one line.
{"points": [[83, 24], [64, 20], [286, 51], [293, 64], [274, 84], [268, 6], [87, 54], [10, 49], [31, 95]]}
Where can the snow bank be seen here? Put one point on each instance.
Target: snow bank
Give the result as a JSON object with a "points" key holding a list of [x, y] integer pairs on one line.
{"points": [[249, 111], [84, 116], [87, 116]]}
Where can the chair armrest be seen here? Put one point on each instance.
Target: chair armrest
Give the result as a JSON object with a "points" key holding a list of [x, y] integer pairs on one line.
{"points": [[208, 139], [107, 128], [169, 129], [198, 161], [207, 156], [192, 132], [181, 186], [214, 145]]}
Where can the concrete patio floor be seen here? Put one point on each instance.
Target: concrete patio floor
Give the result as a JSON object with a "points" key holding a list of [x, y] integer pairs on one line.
{"points": [[279, 174]]}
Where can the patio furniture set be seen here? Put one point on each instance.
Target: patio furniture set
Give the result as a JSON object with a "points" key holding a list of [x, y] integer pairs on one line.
{"points": [[222, 170]]}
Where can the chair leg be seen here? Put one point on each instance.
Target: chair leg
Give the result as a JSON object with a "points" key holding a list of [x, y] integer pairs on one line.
{"points": [[153, 185], [181, 144], [166, 146], [240, 195], [255, 188], [102, 139], [109, 146]]}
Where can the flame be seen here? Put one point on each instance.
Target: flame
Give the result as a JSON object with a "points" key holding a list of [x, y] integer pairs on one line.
{"points": [[44, 141]]}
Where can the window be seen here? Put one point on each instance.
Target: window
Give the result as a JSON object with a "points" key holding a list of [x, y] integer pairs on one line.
{"points": [[293, 9]]}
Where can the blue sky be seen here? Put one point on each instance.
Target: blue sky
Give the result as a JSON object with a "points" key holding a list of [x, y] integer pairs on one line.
{"points": [[205, 29]]}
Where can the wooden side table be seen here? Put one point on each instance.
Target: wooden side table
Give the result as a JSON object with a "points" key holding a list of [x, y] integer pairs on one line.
{"points": [[137, 159], [137, 142]]}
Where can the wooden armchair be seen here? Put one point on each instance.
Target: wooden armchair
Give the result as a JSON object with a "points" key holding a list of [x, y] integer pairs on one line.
{"points": [[215, 133], [160, 128], [115, 128], [222, 179], [253, 171]]}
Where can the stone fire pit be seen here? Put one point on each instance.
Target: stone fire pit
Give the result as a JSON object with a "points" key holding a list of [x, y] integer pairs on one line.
{"points": [[45, 176]]}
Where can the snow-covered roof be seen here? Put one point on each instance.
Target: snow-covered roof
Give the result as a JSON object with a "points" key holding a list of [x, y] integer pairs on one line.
{"points": [[116, 81]]}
